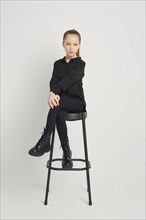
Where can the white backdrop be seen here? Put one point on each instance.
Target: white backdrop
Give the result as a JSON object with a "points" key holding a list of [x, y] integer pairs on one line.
{"points": [[113, 49]]}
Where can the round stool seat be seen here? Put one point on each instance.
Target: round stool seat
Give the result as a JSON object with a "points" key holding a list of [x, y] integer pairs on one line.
{"points": [[72, 116]]}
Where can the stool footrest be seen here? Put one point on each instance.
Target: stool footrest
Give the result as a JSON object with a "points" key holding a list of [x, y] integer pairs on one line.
{"points": [[71, 169]]}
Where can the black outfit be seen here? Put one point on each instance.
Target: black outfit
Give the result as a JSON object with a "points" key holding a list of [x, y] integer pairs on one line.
{"points": [[66, 81], [67, 77]]}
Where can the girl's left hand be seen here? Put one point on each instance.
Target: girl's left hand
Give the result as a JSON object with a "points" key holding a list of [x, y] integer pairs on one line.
{"points": [[53, 99], [58, 98]]}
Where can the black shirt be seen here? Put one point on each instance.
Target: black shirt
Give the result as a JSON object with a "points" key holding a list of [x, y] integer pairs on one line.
{"points": [[67, 78]]}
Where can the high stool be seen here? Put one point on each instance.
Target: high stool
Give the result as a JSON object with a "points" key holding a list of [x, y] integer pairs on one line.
{"points": [[71, 117]]}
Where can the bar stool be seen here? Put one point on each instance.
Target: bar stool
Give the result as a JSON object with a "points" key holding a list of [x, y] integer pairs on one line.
{"points": [[71, 117]]}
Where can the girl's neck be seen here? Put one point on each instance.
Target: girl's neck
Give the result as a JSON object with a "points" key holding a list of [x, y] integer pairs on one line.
{"points": [[69, 58]]}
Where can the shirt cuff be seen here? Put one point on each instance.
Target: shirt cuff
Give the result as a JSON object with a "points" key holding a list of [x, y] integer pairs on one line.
{"points": [[55, 90]]}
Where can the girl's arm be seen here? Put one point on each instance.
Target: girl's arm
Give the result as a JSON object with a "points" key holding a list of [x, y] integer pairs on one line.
{"points": [[73, 76], [54, 80]]}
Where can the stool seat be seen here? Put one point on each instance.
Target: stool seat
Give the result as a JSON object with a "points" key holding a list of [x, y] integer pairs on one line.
{"points": [[72, 116]]}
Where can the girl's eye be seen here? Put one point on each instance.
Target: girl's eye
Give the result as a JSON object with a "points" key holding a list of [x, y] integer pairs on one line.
{"points": [[69, 44]]}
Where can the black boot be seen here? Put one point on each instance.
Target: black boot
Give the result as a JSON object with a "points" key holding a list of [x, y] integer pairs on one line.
{"points": [[67, 154], [42, 146]]}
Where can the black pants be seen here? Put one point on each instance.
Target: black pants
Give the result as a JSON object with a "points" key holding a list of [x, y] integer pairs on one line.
{"points": [[57, 115]]}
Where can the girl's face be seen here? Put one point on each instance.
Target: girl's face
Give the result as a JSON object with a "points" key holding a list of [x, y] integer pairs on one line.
{"points": [[71, 45]]}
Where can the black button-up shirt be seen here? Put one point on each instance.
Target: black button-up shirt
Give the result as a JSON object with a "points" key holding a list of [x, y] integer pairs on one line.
{"points": [[67, 78]]}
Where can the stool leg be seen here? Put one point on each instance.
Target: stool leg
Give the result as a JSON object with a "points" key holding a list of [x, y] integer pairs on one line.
{"points": [[86, 159], [49, 167]]}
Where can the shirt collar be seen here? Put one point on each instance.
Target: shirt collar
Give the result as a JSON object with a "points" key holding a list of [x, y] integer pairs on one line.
{"points": [[71, 60]]}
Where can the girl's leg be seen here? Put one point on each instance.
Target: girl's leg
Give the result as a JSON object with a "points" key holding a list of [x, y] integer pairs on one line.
{"points": [[66, 103], [43, 145], [61, 125], [67, 162]]}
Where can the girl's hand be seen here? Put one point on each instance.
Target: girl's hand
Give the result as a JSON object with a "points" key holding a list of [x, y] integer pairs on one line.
{"points": [[53, 100]]}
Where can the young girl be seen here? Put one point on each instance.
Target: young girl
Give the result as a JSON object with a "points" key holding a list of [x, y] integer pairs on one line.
{"points": [[66, 95]]}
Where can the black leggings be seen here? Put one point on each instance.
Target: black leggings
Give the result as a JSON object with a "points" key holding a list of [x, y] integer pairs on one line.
{"points": [[57, 115]]}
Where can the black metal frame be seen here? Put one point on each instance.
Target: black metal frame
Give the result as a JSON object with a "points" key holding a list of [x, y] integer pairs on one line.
{"points": [[71, 117]]}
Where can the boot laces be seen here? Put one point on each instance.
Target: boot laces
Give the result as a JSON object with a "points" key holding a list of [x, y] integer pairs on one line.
{"points": [[66, 149]]}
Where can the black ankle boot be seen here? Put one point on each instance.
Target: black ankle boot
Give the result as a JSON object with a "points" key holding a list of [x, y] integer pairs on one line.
{"points": [[42, 146], [67, 154]]}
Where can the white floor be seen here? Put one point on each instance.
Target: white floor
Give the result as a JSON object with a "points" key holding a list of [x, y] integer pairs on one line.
{"points": [[115, 194]]}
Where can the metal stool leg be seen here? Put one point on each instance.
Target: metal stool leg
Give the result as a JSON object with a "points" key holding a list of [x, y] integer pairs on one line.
{"points": [[86, 159], [49, 168]]}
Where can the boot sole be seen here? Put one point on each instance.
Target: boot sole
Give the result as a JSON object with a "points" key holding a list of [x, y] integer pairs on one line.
{"points": [[67, 167], [38, 155]]}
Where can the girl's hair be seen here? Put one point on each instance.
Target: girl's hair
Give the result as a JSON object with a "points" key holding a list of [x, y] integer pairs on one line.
{"points": [[73, 31]]}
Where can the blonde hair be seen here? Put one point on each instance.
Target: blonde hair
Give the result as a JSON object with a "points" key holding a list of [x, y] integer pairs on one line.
{"points": [[73, 31]]}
